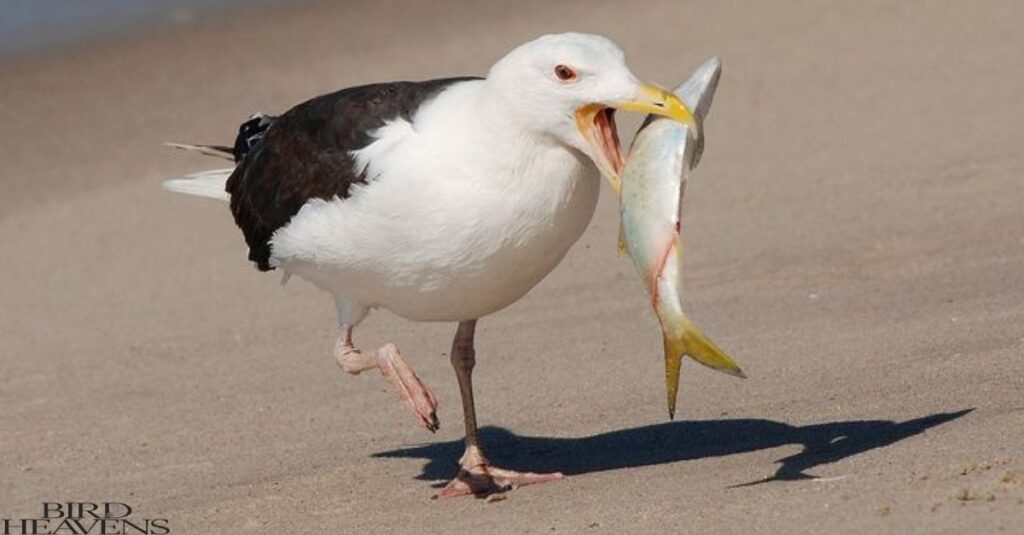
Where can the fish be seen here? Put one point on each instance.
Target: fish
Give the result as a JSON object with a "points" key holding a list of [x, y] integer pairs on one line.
{"points": [[654, 178]]}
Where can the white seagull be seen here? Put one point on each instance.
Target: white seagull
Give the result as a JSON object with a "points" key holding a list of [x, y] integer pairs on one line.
{"points": [[444, 200]]}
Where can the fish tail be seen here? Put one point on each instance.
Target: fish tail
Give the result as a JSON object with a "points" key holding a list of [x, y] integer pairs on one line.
{"points": [[687, 340]]}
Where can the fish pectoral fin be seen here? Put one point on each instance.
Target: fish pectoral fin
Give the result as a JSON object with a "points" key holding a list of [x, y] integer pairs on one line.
{"points": [[623, 248]]}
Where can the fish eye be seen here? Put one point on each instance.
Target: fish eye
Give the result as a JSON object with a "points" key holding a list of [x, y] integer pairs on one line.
{"points": [[565, 73]]}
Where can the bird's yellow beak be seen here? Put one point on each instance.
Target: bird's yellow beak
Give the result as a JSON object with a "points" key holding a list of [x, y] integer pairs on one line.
{"points": [[596, 123], [658, 101]]}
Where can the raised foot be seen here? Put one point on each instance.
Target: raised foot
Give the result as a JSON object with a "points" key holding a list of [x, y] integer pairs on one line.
{"points": [[389, 361], [417, 396], [484, 479]]}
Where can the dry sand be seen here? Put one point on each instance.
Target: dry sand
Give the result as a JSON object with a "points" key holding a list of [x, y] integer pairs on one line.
{"points": [[855, 239]]}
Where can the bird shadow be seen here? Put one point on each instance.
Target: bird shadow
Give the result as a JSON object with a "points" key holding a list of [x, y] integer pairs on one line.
{"points": [[677, 441]]}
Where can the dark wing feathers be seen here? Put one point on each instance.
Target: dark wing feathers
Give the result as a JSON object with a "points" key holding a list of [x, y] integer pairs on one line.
{"points": [[304, 154]]}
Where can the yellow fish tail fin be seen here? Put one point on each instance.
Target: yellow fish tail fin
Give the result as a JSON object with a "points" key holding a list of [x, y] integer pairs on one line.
{"points": [[689, 341], [700, 348]]}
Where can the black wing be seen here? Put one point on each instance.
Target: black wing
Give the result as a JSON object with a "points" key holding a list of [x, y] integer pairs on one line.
{"points": [[304, 154]]}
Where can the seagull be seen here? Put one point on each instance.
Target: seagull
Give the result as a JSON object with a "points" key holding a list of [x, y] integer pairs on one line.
{"points": [[443, 201]]}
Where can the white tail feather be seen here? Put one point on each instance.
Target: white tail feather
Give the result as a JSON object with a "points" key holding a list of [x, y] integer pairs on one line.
{"points": [[205, 184]]}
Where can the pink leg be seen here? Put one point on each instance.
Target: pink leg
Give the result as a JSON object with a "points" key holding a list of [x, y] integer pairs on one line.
{"points": [[392, 365], [476, 474]]}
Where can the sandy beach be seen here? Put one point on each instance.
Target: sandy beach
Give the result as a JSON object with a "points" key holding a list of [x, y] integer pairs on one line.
{"points": [[855, 239]]}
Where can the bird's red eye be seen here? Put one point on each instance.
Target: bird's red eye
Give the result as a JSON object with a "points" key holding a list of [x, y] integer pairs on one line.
{"points": [[565, 73]]}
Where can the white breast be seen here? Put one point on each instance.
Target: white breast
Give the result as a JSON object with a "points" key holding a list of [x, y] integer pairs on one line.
{"points": [[458, 220]]}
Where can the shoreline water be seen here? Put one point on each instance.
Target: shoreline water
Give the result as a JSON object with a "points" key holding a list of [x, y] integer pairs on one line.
{"points": [[36, 28]]}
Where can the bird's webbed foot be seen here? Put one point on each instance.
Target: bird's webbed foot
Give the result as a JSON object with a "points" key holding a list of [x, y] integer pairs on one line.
{"points": [[477, 476]]}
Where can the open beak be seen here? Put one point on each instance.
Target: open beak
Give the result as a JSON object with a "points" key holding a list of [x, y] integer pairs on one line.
{"points": [[596, 123]]}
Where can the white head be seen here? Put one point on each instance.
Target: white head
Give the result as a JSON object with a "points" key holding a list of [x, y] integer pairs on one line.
{"points": [[568, 86]]}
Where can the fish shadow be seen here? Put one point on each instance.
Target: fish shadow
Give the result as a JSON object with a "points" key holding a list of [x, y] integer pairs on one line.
{"points": [[677, 441]]}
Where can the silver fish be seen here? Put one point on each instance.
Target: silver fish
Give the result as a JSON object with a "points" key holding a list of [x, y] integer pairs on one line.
{"points": [[653, 181]]}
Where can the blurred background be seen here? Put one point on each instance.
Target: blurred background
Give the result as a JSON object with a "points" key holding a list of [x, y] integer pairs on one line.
{"points": [[854, 236]]}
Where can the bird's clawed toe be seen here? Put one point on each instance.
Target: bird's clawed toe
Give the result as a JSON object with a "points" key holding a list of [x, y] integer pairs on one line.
{"points": [[417, 396]]}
